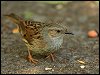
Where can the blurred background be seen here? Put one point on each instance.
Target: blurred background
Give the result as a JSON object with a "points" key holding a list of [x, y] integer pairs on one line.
{"points": [[80, 54]]}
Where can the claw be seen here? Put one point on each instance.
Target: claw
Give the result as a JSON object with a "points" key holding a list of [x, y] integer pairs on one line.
{"points": [[34, 61]]}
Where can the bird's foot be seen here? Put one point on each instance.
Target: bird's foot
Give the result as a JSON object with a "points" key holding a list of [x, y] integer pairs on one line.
{"points": [[51, 56], [34, 61]]}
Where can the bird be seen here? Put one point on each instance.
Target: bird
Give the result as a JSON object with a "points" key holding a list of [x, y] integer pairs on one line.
{"points": [[40, 38]]}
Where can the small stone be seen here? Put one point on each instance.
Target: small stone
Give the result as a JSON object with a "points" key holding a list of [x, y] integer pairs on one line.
{"points": [[53, 66], [92, 34], [16, 56], [47, 68], [82, 66], [52, 69]]}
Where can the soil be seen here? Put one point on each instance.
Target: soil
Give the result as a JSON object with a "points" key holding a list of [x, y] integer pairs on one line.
{"points": [[79, 55]]}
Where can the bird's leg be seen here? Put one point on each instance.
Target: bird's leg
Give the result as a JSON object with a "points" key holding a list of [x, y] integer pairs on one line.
{"points": [[51, 56], [30, 58]]}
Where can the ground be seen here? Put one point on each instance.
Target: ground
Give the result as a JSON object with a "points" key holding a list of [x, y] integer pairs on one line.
{"points": [[79, 55]]}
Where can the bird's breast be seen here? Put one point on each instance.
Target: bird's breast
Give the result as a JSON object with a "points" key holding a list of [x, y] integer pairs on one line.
{"points": [[56, 42]]}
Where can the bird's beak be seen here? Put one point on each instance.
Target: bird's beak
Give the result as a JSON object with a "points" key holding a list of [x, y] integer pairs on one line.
{"points": [[69, 33]]}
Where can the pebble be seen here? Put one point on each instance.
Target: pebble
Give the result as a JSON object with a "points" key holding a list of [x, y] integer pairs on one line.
{"points": [[47, 68], [92, 34], [82, 66]]}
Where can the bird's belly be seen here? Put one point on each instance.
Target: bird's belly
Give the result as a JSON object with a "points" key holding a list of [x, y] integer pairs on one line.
{"points": [[39, 47], [42, 47], [42, 50]]}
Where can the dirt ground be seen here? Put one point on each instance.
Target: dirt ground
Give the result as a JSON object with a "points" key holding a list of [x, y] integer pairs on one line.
{"points": [[79, 55]]}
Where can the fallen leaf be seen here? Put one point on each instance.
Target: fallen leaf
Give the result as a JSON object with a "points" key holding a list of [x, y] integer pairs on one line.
{"points": [[82, 62], [15, 30]]}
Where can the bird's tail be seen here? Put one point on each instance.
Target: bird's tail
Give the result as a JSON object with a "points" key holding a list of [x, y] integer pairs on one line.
{"points": [[16, 19]]}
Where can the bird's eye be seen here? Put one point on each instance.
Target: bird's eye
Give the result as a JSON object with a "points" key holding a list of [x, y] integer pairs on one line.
{"points": [[58, 31]]}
